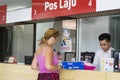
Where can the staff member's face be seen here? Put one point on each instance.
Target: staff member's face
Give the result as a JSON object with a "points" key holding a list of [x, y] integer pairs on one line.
{"points": [[105, 45]]}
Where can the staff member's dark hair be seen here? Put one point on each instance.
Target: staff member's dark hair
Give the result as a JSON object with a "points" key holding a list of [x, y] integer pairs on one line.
{"points": [[104, 36]]}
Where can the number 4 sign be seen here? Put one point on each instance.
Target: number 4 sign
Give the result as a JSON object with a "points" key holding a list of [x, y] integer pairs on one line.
{"points": [[90, 3]]}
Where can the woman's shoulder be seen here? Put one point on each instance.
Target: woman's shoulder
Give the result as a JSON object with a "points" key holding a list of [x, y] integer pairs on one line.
{"points": [[42, 47], [39, 50], [47, 47]]}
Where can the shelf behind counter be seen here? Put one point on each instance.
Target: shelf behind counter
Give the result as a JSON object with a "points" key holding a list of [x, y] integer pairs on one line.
{"points": [[24, 72]]}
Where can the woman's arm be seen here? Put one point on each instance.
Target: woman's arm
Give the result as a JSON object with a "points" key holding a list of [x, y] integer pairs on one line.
{"points": [[34, 64]]}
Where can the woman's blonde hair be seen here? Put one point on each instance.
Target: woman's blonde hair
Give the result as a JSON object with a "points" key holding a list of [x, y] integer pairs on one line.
{"points": [[51, 32]]}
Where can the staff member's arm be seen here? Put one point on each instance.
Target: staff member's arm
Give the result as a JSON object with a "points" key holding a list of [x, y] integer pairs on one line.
{"points": [[96, 61]]}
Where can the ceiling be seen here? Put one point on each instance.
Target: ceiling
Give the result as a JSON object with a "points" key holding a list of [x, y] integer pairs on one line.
{"points": [[16, 4]]}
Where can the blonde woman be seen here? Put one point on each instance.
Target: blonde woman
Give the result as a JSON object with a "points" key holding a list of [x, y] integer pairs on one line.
{"points": [[44, 59]]}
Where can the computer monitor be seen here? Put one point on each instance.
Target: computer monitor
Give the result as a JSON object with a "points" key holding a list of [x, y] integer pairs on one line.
{"points": [[28, 59], [116, 55], [69, 56], [87, 56]]}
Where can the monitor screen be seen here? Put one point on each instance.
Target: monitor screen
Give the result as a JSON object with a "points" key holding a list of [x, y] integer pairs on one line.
{"points": [[69, 56], [87, 56], [28, 59], [116, 55]]}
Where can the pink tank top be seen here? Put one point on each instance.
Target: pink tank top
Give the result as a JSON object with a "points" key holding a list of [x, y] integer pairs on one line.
{"points": [[41, 62]]}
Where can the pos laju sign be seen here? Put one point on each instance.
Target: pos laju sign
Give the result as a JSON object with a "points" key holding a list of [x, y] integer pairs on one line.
{"points": [[3, 10], [42, 9]]}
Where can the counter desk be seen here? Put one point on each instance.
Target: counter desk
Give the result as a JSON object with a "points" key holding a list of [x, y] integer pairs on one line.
{"points": [[24, 72], [17, 72], [113, 76]]}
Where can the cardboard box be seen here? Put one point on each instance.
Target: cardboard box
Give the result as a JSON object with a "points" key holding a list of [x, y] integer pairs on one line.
{"points": [[107, 64]]}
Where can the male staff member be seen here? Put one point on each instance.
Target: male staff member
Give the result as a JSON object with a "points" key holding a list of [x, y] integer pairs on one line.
{"points": [[105, 51]]}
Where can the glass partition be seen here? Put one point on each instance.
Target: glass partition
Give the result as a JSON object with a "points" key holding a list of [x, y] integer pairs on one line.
{"points": [[92, 27], [16, 41], [19, 41], [67, 39], [22, 42]]}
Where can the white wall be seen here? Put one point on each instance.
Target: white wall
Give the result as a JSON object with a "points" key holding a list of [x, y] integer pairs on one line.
{"points": [[91, 28], [102, 5], [19, 15]]}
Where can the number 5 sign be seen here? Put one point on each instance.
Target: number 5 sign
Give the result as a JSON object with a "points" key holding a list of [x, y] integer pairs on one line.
{"points": [[3, 10]]}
